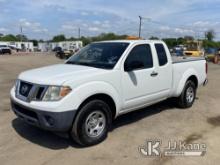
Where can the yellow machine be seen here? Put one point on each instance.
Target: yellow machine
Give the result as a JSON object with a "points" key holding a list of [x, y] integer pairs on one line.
{"points": [[132, 38], [194, 49]]}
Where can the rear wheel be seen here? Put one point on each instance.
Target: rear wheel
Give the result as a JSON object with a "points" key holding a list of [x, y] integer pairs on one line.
{"points": [[188, 95], [92, 123]]}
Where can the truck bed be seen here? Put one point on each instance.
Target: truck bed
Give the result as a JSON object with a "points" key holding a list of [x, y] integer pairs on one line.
{"points": [[183, 67], [177, 59]]}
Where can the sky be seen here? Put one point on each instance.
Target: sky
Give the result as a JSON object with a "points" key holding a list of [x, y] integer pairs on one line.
{"points": [[42, 19]]}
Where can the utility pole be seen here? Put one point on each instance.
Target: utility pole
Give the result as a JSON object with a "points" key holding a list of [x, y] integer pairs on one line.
{"points": [[21, 33], [79, 35], [140, 24]]}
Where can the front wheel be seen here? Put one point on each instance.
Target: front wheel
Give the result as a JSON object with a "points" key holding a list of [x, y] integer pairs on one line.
{"points": [[92, 123], [188, 95]]}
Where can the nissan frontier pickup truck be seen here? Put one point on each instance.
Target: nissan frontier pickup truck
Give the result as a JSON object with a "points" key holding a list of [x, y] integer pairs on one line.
{"points": [[102, 81]]}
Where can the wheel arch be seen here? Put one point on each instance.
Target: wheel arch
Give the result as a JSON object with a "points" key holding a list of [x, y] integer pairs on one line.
{"points": [[190, 74], [104, 97], [194, 79]]}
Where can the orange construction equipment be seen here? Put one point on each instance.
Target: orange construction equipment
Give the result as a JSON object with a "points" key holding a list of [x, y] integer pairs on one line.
{"points": [[132, 38]]}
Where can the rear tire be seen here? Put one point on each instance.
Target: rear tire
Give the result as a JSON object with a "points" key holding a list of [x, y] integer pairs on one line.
{"points": [[188, 95], [92, 123]]}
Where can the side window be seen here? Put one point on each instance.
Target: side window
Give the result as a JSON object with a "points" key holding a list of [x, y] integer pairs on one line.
{"points": [[141, 55], [161, 54]]}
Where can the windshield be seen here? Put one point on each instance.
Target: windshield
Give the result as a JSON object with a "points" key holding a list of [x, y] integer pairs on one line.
{"points": [[100, 55]]}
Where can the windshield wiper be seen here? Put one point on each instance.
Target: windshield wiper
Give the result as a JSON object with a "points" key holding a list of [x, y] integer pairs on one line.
{"points": [[95, 65], [79, 63], [70, 62]]}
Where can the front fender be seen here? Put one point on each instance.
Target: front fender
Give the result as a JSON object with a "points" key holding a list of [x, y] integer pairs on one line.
{"points": [[96, 87]]}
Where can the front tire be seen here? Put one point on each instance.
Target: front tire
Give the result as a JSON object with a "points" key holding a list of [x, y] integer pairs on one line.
{"points": [[188, 95], [92, 123]]}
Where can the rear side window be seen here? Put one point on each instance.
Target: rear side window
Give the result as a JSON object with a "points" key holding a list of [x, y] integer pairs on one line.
{"points": [[140, 53], [161, 54]]}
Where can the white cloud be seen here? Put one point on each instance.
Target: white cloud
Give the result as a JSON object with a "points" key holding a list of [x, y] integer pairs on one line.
{"points": [[68, 27], [118, 16], [96, 22], [3, 30], [94, 29], [83, 13], [206, 24], [165, 28]]}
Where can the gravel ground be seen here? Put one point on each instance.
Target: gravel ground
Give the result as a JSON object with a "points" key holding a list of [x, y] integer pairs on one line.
{"points": [[25, 145]]}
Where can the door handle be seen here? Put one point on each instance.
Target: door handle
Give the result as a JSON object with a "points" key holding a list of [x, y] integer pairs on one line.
{"points": [[154, 74]]}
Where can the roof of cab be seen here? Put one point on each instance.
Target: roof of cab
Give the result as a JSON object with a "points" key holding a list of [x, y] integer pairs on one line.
{"points": [[133, 41]]}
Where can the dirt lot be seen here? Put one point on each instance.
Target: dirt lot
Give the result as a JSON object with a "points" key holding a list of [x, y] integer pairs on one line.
{"points": [[25, 145]]}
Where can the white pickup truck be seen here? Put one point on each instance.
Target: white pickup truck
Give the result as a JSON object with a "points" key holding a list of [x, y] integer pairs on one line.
{"points": [[101, 82]]}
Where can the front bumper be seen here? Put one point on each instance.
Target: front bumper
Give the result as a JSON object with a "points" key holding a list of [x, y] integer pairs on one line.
{"points": [[52, 121]]}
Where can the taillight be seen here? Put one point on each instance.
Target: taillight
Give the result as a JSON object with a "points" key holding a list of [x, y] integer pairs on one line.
{"points": [[206, 68]]}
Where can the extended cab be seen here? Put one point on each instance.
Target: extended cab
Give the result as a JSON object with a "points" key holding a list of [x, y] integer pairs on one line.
{"points": [[101, 82]]}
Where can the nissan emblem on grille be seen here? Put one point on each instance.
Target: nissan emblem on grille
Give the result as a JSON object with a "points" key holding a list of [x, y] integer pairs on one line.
{"points": [[24, 89]]}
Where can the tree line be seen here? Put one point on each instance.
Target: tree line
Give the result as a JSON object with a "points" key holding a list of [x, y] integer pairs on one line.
{"points": [[171, 42]]}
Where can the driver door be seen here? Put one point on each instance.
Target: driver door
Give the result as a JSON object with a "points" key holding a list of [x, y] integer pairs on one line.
{"points": [[139, 79]]}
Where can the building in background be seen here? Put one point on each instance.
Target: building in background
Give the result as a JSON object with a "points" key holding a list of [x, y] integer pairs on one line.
{"points": [[44, 47], [65, 45], [23, 46]]}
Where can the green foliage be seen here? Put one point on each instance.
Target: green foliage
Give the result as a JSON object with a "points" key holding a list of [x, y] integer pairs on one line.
{"points": [[9, 37], [211, 44], [189, 38], [108, 36], [181, 41], [35, 42], [85, 40], [153, 38], [59, 38], [102, 37], [21, 37], [171, 42], [210, 35]]}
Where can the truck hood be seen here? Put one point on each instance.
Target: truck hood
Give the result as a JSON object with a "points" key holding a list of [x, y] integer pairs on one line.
{"points": [[57, 74]]}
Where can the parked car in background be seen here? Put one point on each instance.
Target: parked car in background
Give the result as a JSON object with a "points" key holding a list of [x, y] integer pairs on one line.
{"points": [[4, 49], [103, 81], [64, 53], [59, 52], [56, 49], [210, 53]]}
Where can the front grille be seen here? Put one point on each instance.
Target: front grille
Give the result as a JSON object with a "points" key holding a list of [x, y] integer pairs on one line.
{"points": [[24, 111], [28, 91], [25, 88], [40, 91]]}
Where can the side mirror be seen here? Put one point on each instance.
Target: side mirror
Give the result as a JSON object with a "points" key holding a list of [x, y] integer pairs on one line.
{"points": [[133, 66]]}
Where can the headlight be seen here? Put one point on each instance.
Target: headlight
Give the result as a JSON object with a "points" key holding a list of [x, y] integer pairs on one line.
{"points": [[56, 93]]}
